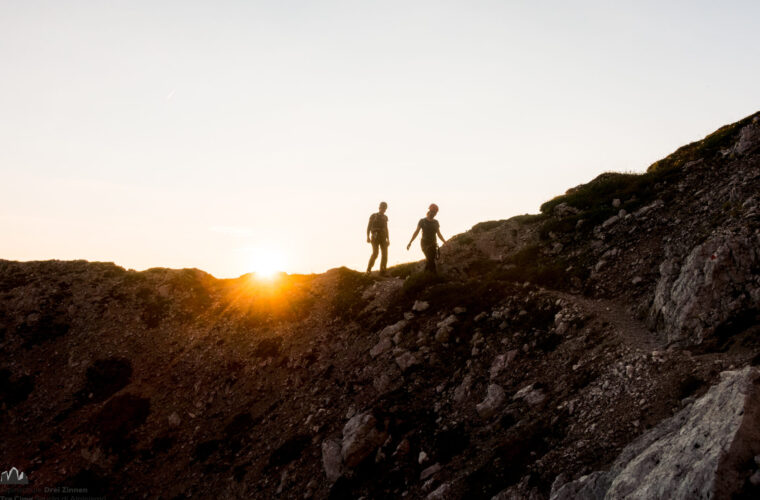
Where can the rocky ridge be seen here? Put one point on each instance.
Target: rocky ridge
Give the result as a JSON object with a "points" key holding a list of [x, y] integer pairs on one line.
{"points": [[582, 352]]}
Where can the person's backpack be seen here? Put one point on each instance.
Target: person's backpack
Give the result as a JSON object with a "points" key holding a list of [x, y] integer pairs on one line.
{"points": [[376, 223]]}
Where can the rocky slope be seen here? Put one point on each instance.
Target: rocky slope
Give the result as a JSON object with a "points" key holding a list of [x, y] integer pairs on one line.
{"points": [[604, 348]]}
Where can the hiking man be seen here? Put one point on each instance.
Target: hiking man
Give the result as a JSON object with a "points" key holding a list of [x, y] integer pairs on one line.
{"points": [[430, 229], [377, 234]]}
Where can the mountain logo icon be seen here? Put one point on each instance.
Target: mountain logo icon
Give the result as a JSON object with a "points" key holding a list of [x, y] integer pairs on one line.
{"points": [[13, 476]]}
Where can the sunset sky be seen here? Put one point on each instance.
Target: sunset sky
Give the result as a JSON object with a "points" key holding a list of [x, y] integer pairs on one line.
{"points": [[212, 134]]}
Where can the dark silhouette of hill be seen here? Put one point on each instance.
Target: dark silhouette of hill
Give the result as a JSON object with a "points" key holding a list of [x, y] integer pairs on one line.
{"points": [[554, 355]]}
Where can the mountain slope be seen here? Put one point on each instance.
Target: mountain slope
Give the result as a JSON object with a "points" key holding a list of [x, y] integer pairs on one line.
{"points": [[550, 345]]}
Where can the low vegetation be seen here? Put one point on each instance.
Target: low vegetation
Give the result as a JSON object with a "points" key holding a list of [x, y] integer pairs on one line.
{"points": [[531, 265], [347, 301], [707, 148], [594, 199]]}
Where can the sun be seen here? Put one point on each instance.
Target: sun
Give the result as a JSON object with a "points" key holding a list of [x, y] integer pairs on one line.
{"points": [[266, 263]]}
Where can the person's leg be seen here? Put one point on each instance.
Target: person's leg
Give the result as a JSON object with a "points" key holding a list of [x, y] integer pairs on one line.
{"points": [[383, 257], [429, 258], [373, 257]]}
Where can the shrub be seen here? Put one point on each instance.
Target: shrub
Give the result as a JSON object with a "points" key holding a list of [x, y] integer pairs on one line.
{"points": [[528, 218], [347, 300], [403, 270], [463, 239], [594, 200], [531, 265], [486, 226], [601, 191], [418, 282]]}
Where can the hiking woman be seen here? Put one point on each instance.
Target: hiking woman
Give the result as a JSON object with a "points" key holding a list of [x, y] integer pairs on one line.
{"points": [[430, 229]]}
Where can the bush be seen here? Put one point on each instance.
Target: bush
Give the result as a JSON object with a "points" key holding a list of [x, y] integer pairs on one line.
{"points": [[601, 191], [463, 239], [530, 265], [403, 270], [418, 282], [348, 296], [528, 218], [486, 226], [594, 200]]}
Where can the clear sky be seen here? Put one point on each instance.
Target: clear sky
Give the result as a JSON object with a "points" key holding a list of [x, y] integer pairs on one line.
{"points": [[204, 134]]}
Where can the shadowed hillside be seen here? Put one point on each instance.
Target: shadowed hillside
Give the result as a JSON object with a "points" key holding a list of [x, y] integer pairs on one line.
{"points": [[605, 346]]}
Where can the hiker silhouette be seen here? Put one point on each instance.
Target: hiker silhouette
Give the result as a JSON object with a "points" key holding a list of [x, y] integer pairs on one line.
{"points": [[377, 234], [430, 229]]}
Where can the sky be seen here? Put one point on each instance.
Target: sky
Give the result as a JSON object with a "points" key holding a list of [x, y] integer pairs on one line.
{"points": [[226, 135]]}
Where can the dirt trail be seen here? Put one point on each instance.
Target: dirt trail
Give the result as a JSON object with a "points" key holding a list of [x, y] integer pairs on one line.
{"points": [[630, 330]]}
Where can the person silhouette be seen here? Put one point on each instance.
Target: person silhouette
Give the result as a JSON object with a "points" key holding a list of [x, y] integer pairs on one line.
{"points": [[377, 234], [430, 229]]}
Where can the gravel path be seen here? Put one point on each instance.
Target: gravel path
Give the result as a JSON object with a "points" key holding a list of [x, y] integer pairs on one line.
{"points": [[630, 330]]}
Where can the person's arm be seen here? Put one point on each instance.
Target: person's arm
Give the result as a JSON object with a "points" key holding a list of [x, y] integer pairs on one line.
{"points": [[387, 236], [416, 232], [438, 231], [369, 227]]}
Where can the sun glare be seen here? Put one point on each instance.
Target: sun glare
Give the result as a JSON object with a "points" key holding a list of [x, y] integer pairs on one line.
{"points": [[266, 263]]}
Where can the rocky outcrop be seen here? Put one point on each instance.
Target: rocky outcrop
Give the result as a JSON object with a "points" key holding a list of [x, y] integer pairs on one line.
{"points": [[749, 138], [698, 453], [715, 282]]}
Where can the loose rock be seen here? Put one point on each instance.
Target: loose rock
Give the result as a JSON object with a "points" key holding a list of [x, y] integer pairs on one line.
{"points": [[494, 400], [361, 438]]}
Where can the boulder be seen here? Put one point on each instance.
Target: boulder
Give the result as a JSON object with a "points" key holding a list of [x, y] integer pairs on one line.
{"points": [[612, 220], [448, 321], [521, 491], [443, 492], [429, 471], [562, 210], [174, 419], [388, 381], [749, 138], [381, 347], [463, 390], [420, 305], [494, 400], [498, 365], [698, 453], [406, 360], [714, 284], [591, 486], [443, 334], [361, 437], [391, 330], [332, 460], [530, 394], [403, 448], [652, 206]]}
